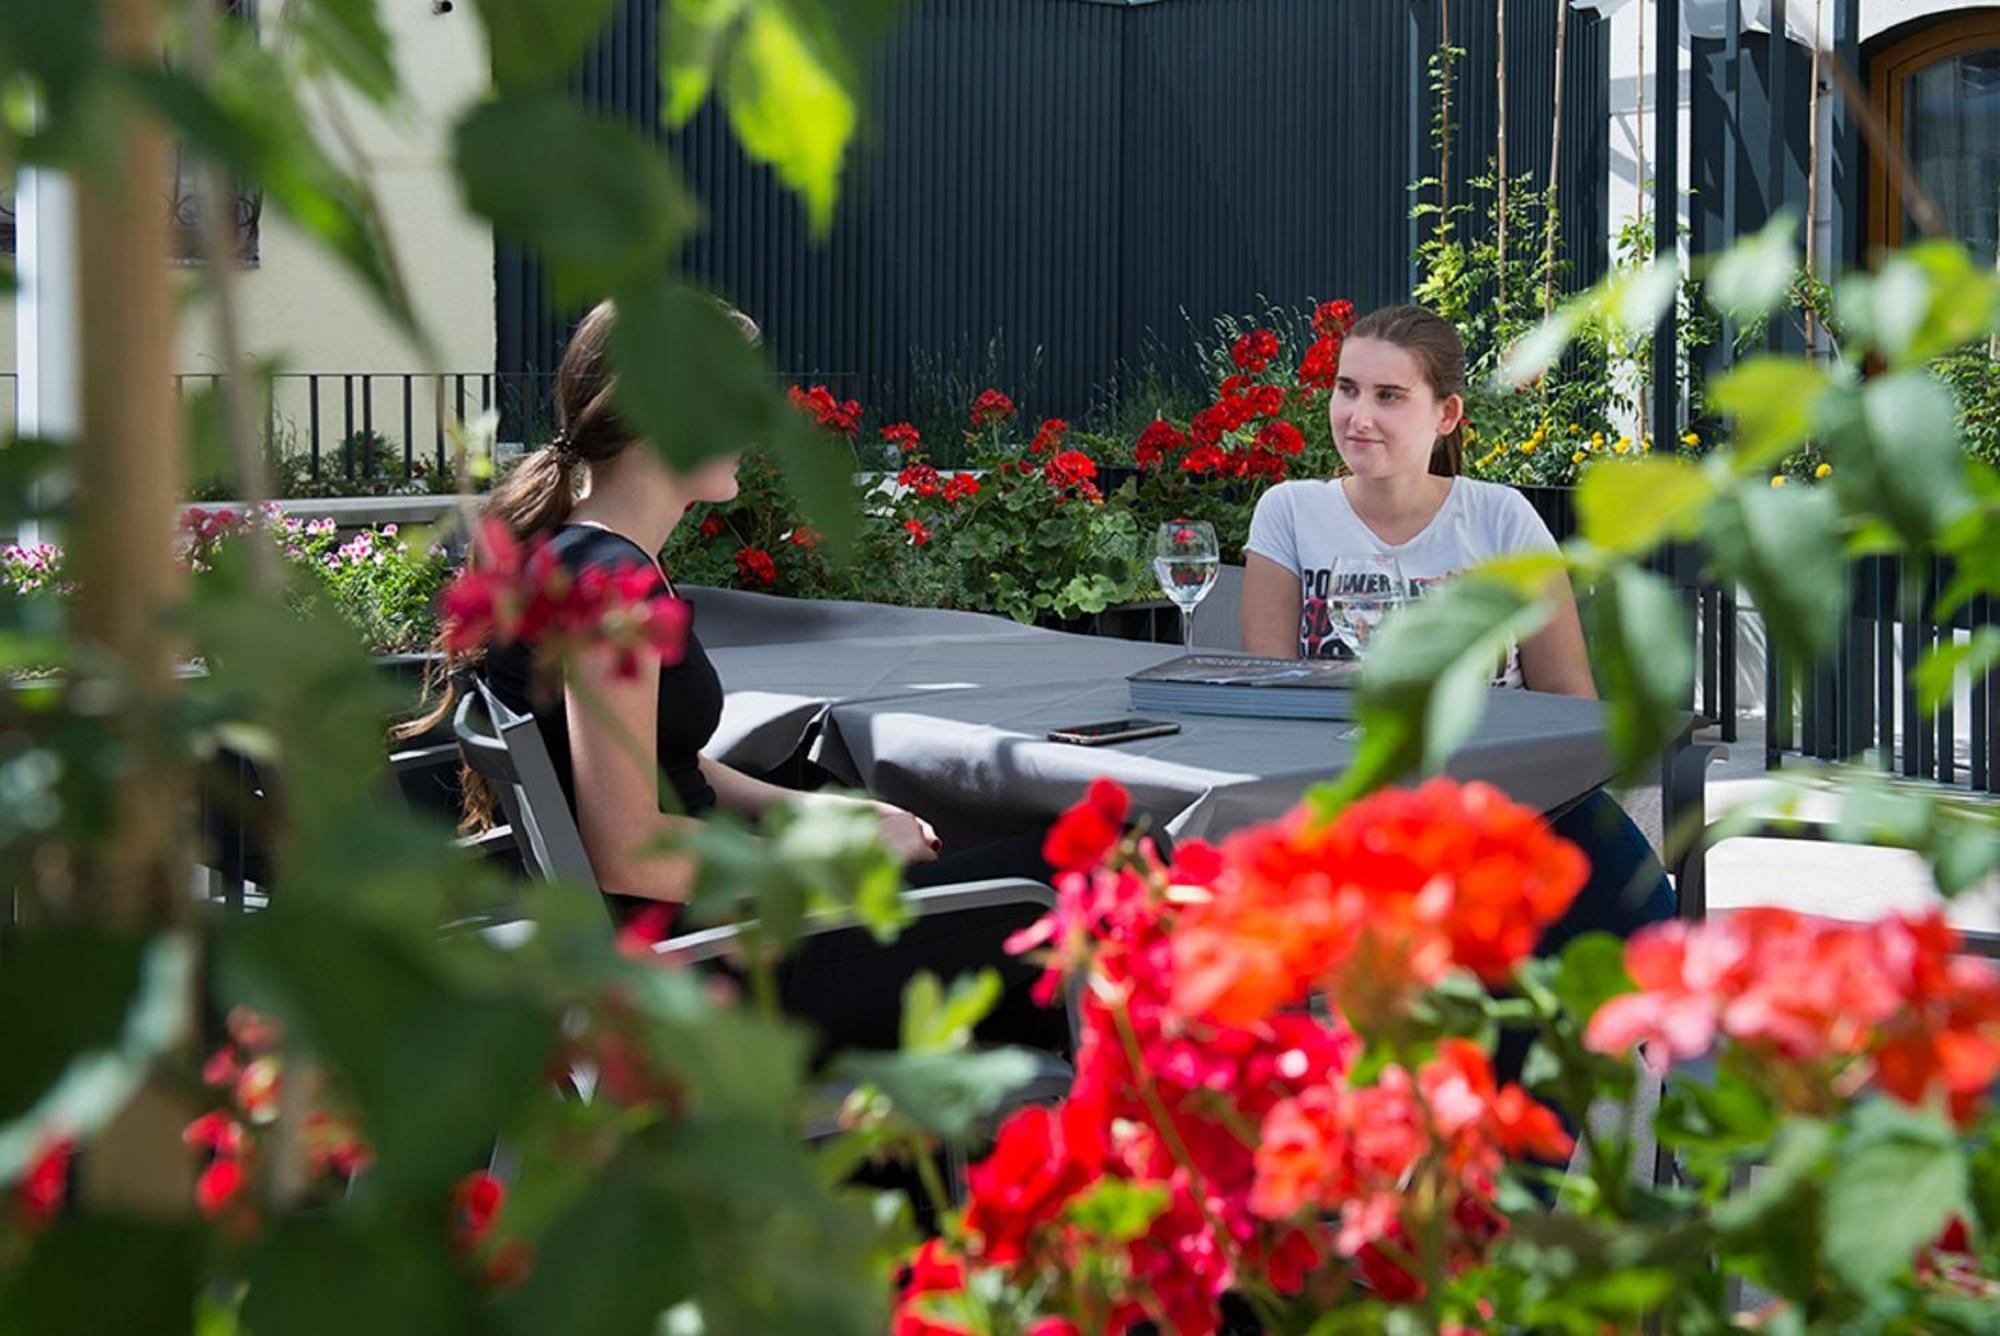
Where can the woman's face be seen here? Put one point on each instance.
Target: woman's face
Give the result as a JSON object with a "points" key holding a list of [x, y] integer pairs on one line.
{"points": [[1385, 417]]}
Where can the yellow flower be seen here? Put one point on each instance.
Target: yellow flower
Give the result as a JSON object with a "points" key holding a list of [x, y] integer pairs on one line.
{"points": [[1578, 457], [1690, 439], [1624, 444], [1822, 470], [1575, 430], [1528, 446], [1777, 480], [1646, 447], [1597, 440]]}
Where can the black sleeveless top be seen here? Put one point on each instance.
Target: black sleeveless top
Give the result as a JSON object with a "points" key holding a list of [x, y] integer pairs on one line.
{"points": [[690, 704]]}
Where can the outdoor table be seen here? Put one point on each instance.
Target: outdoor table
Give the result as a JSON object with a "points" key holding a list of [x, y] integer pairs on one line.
{"points": [[978, 761], [776, 693]]}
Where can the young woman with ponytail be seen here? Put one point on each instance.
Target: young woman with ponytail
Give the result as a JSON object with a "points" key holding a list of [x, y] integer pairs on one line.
{"points": [[602, 498], [1398, 412]]}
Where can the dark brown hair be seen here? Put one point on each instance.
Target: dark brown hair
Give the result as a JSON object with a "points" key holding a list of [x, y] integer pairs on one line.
{"points": [[1440, 355], [534, 500]]}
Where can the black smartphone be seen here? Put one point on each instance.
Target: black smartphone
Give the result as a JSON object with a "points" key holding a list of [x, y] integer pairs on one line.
{"points": [[1113, 730]]}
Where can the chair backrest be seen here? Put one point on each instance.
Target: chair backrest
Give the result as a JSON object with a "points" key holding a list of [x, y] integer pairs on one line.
{"points": [[1218, 621], [511, 755]]}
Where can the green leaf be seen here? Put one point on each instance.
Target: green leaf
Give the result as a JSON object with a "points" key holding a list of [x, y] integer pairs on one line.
{"points": [[619, 1257], [1925, 300], [1429, 674], [599, 200], [107, 1277], [789, 108], [1799, 1158], [1941, 666], [944, 1093], [934, 1022], [1540, 348], [1592, 972], [347, 37], [1724, 1113], [536, 43], [690, 40], [1895, 451], [34, 479], [1783, 545], [1117, 1210], [1631, 506], [72, 1067], [1752, 278], [328, 1276], [1772, 401], [1643, 646], [1898, 1179], [56, 45]]}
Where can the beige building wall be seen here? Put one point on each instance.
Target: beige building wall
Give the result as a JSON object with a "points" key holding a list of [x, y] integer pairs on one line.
{"points": [[302, 309]]}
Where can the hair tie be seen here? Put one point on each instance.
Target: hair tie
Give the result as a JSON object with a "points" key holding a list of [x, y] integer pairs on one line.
{"points": [[560, 444]]}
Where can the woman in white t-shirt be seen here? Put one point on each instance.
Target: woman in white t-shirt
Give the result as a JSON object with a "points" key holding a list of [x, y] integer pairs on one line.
{"points": [[1397, 411]]}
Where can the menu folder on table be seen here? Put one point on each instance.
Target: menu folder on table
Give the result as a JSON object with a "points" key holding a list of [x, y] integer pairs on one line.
{"points": [[1248, 687]]}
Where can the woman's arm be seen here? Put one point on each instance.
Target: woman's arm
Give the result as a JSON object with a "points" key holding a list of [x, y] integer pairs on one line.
{"points": [[1270, 608], [614, 761], [1553, 659]]}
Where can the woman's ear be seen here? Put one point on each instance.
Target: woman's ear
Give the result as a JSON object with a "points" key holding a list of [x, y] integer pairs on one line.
{"points": [[1453, 409]]}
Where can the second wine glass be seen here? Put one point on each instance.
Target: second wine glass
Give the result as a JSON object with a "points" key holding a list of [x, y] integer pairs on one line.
{"points": [[1186, 558]]}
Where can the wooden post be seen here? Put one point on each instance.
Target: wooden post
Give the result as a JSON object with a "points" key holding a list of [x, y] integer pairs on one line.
{"points": [[1500, 135], [1555, 166]]}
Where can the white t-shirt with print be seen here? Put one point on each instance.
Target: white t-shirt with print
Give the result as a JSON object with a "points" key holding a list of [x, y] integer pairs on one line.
{"points": [[1304, 524]]}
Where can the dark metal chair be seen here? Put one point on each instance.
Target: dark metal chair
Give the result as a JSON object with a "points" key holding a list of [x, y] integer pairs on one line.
{"points": [[508, 751]]}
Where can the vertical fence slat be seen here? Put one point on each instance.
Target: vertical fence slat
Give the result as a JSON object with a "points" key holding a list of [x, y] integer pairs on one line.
{"points": [[1888, 583], [1946, 721], [409, 425], [312, 392]]}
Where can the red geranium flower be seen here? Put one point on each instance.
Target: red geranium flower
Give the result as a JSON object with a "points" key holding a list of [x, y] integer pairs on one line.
{"points": [[919, 535], [1049, 437], [218, 1185], [932, 1270], [1321, 364], [991, 406], [1159, 440], [1254, 351], [44, 1187], [805, 536], [1333, 319], [1069, 468], [819, 404], [903, 436], [1085, 833], [475, 1204], [921, 479], [755, 567], [712, 526], [960, 487], [1041, 1159]]}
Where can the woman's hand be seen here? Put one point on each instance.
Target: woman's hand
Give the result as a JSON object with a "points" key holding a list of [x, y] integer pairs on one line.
{"points": [[907, 836]]}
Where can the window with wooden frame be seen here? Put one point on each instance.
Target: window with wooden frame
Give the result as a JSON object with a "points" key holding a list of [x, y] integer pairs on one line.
{"points": [[1938, 90]]}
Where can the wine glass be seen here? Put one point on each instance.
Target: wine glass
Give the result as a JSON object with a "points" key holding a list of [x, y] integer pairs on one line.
{"points": [[1186, 558], [1361, 592]]}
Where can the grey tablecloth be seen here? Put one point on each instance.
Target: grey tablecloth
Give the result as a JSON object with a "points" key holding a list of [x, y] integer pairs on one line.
{"points": [[730, 617], [776, 691], [978, 760]]}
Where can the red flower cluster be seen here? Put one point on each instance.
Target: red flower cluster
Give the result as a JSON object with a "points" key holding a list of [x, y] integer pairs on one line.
{"points": [[1254, 351], [904, 437], [754, 567], [961, 487], [1388, 897], [1320, 365], [1072, 468], [510, 593], [818, 403], [1892, 1000], [206, 528], [1158, 442], [805, 536], [921, 479], [1354, 1151], [919, 535], [1049, 437], [247, 1067], [712, 526], [991, 407], [1236, 1115]]}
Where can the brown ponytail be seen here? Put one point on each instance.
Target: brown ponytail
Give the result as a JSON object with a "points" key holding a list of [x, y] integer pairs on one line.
{"points": [[1440, 356]]}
